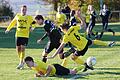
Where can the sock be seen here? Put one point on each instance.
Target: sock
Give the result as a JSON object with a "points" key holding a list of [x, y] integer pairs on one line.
{"points": [[102, 43], [79, 68], [44, 59], [79, 61], [22, 55], [64, 63], [19, 53]]}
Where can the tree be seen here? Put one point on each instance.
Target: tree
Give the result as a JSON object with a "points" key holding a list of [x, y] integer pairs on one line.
{"points": [[5, 9]]}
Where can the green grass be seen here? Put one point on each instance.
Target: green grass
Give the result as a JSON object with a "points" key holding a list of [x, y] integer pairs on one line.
{"points": [[107, 67]]}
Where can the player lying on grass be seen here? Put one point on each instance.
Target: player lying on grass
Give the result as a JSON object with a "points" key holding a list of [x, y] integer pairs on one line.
{"points": [[73, 36], [44, 69]]}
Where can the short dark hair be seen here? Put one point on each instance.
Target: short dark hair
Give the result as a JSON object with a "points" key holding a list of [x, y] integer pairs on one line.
{"points": [[28, 58], [24, 6], [72, 12], [64, 26], [38, 17]]}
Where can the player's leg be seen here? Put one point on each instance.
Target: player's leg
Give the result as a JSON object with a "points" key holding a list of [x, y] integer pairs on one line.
{"points": [[18, 50], [47, 50], [66, 54], [60, 70], [110, 30], [102, 43], [21, 43]]}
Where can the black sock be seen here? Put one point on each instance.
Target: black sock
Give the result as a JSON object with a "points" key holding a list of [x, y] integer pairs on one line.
{"points": [[44, 59]]}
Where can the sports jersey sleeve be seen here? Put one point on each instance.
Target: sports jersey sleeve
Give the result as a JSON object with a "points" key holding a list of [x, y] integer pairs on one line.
{"points": [[12, 24], [77, 27], [65, 40], [32, 22]]}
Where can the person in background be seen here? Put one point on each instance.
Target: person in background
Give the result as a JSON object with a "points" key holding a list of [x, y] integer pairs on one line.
{"points": [[105, 15], [92, 21]]}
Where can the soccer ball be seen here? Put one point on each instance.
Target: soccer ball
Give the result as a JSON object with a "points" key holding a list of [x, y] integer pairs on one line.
{"points": [[91, 61]]}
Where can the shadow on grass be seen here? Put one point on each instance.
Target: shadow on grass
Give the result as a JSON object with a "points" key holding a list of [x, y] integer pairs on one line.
{"points": [[104, 71]]}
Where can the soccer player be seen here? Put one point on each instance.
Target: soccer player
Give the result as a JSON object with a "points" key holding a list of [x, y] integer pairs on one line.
{"points": [[24, 23], [53, 34], [44, 69], [105, 15], [92, 21], [73, 36], [60, 17], [73, 20]]}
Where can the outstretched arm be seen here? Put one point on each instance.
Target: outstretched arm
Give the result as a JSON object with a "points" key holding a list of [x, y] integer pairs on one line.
{"points": [[83, 24], [57, 51], [12, 24], [49, 69]]}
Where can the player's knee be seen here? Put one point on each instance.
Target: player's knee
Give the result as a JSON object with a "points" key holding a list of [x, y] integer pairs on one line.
{"points": [[61, 56], [73, 57]]}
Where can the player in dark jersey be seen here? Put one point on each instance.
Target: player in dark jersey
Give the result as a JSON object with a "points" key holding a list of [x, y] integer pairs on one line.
{"points": [[105, 15], [92, 21], [53, 34]]}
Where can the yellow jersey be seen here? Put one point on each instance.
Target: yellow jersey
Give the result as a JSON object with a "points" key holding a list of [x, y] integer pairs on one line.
{"points": [[74, 37], [41, 67], [87, 18], [60, 18], [23, 25]]}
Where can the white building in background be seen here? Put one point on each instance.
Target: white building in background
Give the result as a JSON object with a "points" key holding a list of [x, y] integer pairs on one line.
{"points": [[34, 7]]}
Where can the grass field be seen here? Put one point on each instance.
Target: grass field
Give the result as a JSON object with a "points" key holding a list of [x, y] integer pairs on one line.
{"points": [[107, 67]]}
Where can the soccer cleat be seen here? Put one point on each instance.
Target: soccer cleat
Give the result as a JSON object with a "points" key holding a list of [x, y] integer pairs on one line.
{"points": [[69, 52], [87, 67], [111, 44], [20, 66]]}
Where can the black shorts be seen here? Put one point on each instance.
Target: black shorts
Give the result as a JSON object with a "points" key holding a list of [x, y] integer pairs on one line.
{"points": [[60, 70], [21, 41], [50, 46], [82, 53]]}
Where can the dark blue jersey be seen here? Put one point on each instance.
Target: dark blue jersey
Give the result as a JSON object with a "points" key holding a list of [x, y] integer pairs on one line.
{"points": [[93, 16], [51, 31], [105, 15], [73, 21]]}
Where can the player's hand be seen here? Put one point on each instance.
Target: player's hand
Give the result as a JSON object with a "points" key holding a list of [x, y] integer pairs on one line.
{"points": [[38, 41], [31, 29], [6, 31], [38, 75]]}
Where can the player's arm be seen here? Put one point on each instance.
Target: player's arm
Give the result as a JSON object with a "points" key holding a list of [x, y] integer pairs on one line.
{"points": [[83, 24], [49, 69], [57, 51], [33, 25], [44, 36], [11, 25]]}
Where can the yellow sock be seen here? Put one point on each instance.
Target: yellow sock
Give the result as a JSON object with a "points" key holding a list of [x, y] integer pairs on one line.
{"points": [[22, 56], [102, 43], [79, 68], [64, 63], [79, 61], [19, 53]]}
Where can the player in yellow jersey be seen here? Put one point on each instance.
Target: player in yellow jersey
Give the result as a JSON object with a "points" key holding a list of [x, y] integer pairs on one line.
{"points": [[60, 17], [25, 24], [81, 43], [44, 69]]}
